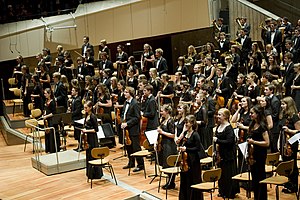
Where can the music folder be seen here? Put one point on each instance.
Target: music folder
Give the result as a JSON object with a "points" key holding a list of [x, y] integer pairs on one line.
{"points": [[151, 136], [294, 139]]}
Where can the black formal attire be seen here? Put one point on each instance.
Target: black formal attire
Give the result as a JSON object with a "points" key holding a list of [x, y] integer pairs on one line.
{"points": [[90, 65], [296, 92], [92, 140], [226, 140], [106, 64], [83, 71], [156, 85], [289, 76], [194, 80], [236, 59], [26, 97], [151, 113], [292, 185], [193, 176], [274, 132], [122, 67], [184, 70], [44, 77], [253, 92], [211, 110], [201, 115], [38, 101], [49, 137], [296, 42], [76, 108], [132, 82], [60, 94], [224, 46], [225, 86], [121, 101], [47, 58], [18, 75], [132, 118], [106, 82], [147, 64], [179, 125], [167, 91], [106, 115], [258, 168], [276, 41], [161, 65], [246, 48], [69, 72], [86, 46]]}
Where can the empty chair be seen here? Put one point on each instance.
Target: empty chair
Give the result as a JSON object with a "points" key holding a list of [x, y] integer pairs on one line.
{"points": [[36, 135]]}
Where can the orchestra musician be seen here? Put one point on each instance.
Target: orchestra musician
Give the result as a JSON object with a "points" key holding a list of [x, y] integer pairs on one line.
{"points": [[25, 80], [103, 48], [189, 142], [197, 74], [182, 67], [106, 75], [60, 51], [60, 92], [121, 61], [131, 122], [289, 73], [131, 80], [75, 109], [259, 138], [273, 68], [211, 110], [274, 37], [182, 112], [49, 111], [17, 74], [132, 66], [160, 62], [45, 78], [147, 59], [150, 111], [265, 103], [37, 92], [69, 66], [225, 139], [222, 85], [167, 92], [296, 86], [119, 105], [47, 58], [91, 129], [191, 57], [88, 61], [86, 45], [166, 145], [253, 89], [223, 43], [81, 70], [209, 69], [104, 104], [246, 45], [154, 80], [290, 123], [105, 63]]}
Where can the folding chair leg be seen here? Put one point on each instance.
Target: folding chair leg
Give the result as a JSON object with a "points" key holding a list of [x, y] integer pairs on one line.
{"points": [[25, 143], [14, 109], [114, 176], [159, 182], [277, 192]]}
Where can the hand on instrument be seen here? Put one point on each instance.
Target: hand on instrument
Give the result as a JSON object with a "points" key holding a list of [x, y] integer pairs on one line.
{"points": [[182, 149], [123, 125], [159, 130], [250, 141], [215, 139]]}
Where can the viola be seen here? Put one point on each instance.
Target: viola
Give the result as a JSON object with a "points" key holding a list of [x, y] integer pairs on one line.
{"points": [[46, 126], [143, 126], [127, 138], [118, 115], [84, 140], [287, 147], [184, 158], [250, 157], [241, 133], [159, 143]]}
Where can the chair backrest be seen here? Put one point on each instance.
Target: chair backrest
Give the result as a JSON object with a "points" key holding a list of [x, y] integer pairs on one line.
{"points": [[12, 81], [212, 175], [285, 168], [31, 123], [17, 92], [100, 152], [36, 113], [272, 158], [210, 151], [30, 106], [146, 145], [171, 160]]}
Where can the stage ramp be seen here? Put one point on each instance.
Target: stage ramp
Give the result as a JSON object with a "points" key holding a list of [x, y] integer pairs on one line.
{"points": [[61, 162]]}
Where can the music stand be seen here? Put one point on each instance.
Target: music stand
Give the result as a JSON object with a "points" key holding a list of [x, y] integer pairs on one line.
{"points": [[124, 148], [151, 137], [66, 118]]}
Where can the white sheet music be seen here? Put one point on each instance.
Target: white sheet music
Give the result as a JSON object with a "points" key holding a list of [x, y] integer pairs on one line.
{"points": [[81, 121], [295, 138], [100, 132], [152, 136], [244, 148], [236, 133]]}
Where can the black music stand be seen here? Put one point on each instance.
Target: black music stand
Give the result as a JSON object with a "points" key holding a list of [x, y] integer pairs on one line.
{"points": [[124, 148], [66, 119], [151, 138], [56, 120], [109, 139]]}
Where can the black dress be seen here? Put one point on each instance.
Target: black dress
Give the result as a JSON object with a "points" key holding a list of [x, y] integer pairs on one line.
{"points": [[179, 127], [293, 178], [193, 175], [296, 92], [38, 101], [258, 168], [44, 77], [168, 146], [49, 137], [92, 139], [205, 137], [167, 91], [226, 139]]}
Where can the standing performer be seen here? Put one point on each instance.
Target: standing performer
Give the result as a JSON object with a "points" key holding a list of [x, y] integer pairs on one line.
{"points": [[131, 118], [147, 59], [89, 134], [166, 145], [37, 93], [192, 147], [290, 123], [167, 92], [150, 111], [25, 80], [259, 141], [225, 139]]}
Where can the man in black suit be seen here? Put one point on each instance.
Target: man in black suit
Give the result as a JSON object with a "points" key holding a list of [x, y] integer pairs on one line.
{"points": [[60, 92], [106, 78], [274, 37], [222, 85], [246, 26], [296, 43], [289, 73], [151, 109], [223, 43], [289, 48], [275, 108], [196, 76], [131, 121], [81, 72], [160, 63], [86, 45], [246, 43], [75, 109], [105, 63]]}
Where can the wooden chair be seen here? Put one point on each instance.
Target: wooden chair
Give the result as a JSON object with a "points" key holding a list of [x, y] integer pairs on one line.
{"points": [[17, 92], [101, 153], [35, 113], [208, 160], [209, 177], [283, 170], [271, 162], [173, 169], [143, 154], [36, 135]]}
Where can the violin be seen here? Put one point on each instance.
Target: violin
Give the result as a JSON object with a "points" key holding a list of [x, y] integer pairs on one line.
{"points": [[46, 126], [241, 133], [287, 147], [159, 145], [84, 140], [184, 158], [127, 138], [143, 126], [118, 115], [250, 157]]}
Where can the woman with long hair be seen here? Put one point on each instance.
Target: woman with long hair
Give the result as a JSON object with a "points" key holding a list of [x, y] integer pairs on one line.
{"points": [[167, 92], [290, 123], [182, 112], [104, 104], [37, 93], [258, 143]]}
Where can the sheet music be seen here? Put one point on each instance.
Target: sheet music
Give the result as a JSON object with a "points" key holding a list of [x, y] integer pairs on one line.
{"points": [[243, 147], [295, 138], [236, 132], [100, 133], [151, 136], [81, 121]]}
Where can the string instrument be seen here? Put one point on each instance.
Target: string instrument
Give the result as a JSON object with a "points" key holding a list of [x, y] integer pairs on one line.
{"points": [[216, 150], [194, 108], [184, 158], [220, 101], [241, 133], [126, 136], [46, 126], [84, 135], [99, 109], [118, 115], [286, 149], [143, 126], [250, 157], [159, 143]]}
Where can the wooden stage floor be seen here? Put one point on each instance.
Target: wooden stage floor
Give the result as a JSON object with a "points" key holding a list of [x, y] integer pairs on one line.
{"points": [[19, 180]]}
